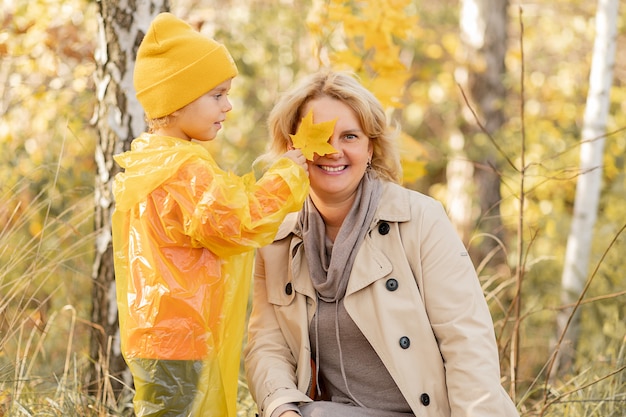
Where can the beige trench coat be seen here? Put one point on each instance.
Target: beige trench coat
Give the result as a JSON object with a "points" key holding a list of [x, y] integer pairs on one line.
{"points": [[414, 294]]}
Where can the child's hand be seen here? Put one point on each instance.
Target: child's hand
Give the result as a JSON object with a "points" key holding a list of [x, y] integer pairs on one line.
{"points": [[297, 156]]}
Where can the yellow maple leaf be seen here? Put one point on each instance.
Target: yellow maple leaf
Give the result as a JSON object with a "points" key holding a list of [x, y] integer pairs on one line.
{"points": [[313, 137]]}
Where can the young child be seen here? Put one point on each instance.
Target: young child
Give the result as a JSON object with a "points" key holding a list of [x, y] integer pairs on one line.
{"points": [[184, 230]]}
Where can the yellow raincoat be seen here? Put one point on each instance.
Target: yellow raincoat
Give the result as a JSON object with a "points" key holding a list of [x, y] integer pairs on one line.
{"points": [[184, 232]]}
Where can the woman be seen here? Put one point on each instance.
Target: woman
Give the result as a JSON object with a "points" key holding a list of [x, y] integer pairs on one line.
{"points": [[367, 303]]}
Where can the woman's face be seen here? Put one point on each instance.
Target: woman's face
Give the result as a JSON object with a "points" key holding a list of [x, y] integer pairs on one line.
{"points": [[335, 177]]}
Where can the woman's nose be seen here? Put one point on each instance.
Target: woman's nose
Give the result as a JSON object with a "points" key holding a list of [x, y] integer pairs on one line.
{"points": [[335, 143]]}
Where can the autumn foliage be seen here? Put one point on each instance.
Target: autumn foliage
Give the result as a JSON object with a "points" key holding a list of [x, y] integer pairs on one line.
{"points": [[405, 52]]}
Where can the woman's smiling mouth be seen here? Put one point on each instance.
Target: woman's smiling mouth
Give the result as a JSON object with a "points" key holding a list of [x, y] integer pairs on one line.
{"points": [[329, 168]]}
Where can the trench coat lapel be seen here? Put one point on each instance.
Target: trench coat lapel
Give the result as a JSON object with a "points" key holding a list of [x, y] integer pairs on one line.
{"points": [[301, 280], [299, 271], [369, 265]]}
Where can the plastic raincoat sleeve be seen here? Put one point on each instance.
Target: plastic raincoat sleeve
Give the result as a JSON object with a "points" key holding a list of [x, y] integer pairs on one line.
{"points": [[235, 214], [183, 238], [221, 211]]}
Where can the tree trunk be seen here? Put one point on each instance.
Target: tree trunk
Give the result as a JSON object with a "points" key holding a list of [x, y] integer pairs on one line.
{"points": [[119, 118], [474, 184], [472, 173], [579, 241], [459, 176]]}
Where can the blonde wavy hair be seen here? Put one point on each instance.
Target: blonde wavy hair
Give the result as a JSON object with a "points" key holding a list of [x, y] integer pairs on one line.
{"points": [[159, 123], [343, 86]]}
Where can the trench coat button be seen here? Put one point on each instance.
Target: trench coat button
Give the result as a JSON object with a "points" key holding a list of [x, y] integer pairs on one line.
{"points": [[405, 342], [425, 399], [391, 284], [383, 228], [288, 288]]}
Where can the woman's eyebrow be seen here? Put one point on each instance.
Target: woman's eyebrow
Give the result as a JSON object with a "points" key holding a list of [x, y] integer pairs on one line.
{"points": [[353, 130]]}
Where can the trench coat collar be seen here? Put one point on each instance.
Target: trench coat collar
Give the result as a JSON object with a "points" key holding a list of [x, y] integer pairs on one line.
{"points": [[370, 263], [393, 207]]}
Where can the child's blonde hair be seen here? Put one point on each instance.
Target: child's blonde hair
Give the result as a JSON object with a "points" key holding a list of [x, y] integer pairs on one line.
{"points": [[159, 122]]}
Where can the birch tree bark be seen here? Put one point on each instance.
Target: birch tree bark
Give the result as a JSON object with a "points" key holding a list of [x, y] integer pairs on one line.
{"points": [[589, 184], [473, 183], [118, 118]]}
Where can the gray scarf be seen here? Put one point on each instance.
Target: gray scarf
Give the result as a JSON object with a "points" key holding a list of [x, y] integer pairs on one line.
{"points": [[330, 264]]}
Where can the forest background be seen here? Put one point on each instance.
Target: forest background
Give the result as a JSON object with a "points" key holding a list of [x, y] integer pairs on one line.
{"points": [[48, 139]]}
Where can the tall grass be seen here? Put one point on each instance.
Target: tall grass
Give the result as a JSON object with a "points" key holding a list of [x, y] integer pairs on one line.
{"points": [[46, 245], [46, 253]]}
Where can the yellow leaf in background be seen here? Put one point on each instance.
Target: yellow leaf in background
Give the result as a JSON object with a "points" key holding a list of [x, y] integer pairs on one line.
{"points": [[413, 171], [414, 159], [313, 137], [346, 58], [388, 89]]}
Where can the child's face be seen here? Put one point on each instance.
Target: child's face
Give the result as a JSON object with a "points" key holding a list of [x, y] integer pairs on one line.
{"points": [[202, 118]]}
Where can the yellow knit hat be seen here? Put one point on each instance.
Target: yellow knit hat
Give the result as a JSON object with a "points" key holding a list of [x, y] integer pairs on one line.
{"points": [[176, 65]]}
